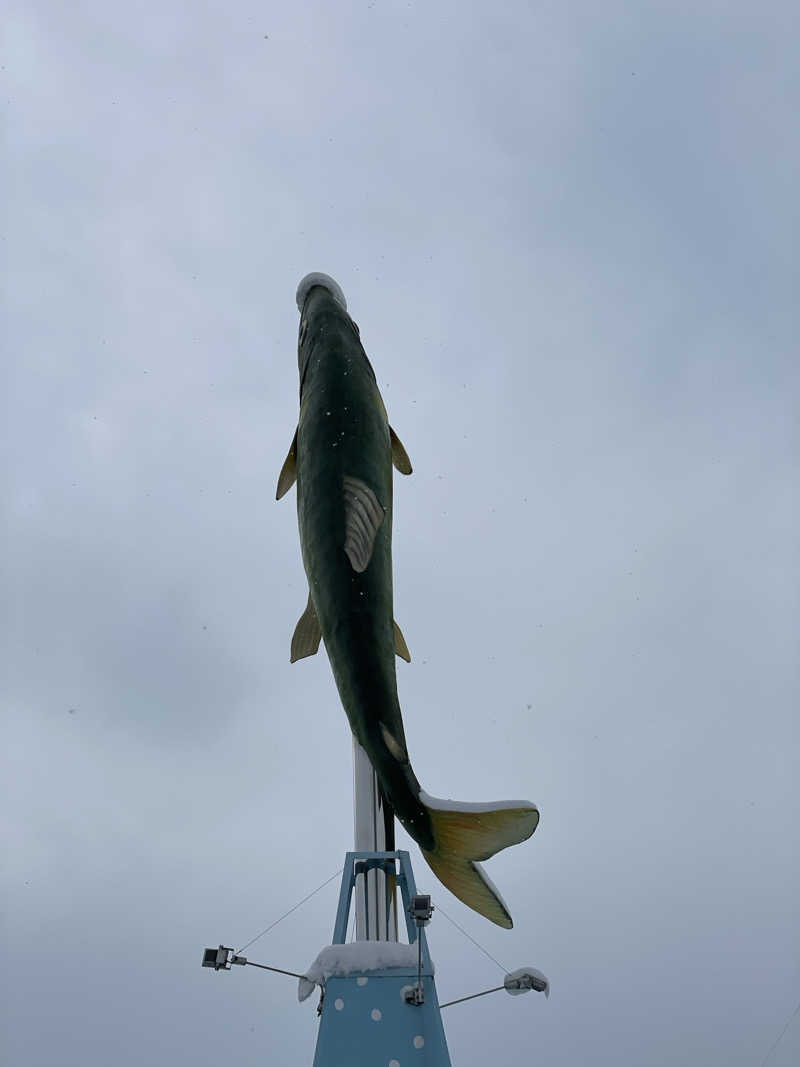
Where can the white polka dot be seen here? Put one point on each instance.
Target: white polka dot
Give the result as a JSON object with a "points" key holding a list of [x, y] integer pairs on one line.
{"points": [[419, 1041], [376, 1014], [338, 1003], [362, 980]]}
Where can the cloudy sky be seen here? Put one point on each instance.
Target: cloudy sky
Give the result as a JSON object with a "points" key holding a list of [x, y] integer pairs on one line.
{"points": [[568, 233]]}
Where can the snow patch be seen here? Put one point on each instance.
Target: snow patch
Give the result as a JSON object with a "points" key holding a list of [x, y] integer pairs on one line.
{"points": [[524, 979], [341, 960], [325, 280], [456, 805]]}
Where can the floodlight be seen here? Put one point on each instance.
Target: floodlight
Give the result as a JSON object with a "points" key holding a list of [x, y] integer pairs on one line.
{"points": [[421, 909], [217, 958], [525, 979]]}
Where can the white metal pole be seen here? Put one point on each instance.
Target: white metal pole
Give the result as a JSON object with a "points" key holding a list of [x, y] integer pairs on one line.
{"points": [[374, 921]]}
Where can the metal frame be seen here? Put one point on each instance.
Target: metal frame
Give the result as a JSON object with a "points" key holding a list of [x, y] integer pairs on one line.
{"points": [[373, 819], [358, 864]]}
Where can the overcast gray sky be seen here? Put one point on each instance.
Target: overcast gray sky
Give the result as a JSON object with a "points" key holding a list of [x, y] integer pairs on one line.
{"points": [[568, 233]]}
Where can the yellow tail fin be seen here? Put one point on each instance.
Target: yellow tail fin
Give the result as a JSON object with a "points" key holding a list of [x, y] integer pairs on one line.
{"points": [[467, 833]]}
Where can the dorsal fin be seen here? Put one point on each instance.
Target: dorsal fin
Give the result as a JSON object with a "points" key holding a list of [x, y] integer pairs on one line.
{"points": [[363, 516], [288, 475]]}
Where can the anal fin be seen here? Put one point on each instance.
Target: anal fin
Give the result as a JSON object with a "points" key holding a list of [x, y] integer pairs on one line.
{"points": [[288, 475], [307, 634], [400, 646]]}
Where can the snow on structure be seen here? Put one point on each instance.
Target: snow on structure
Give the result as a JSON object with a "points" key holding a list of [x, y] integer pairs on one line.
{"points": [[456, 805], [325, 280], [341, 960], [525, 979]]}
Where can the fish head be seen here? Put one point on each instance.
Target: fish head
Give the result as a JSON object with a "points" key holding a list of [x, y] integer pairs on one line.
{"points": [[323, 313]]}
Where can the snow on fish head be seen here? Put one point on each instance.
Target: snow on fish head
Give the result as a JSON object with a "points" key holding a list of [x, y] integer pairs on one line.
{"points": [[325, 280]]}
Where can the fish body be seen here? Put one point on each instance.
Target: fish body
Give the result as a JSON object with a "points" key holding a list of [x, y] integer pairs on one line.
{"points": [[341, 459]]}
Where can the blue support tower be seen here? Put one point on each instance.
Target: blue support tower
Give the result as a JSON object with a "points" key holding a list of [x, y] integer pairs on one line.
{"points": [[388, 1016]]}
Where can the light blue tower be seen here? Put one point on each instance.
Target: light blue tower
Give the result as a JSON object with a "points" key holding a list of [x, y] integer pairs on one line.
{"points": [[374, 1014]]}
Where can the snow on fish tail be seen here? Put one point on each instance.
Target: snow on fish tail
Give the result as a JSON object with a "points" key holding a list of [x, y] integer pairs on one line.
{"points": [[465, 834]]}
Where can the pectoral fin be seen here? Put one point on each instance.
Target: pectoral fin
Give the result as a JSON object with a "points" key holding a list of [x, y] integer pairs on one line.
{"points": [[362, 518], [288, 475], [399, 454], [307, 634], [400, 646]]}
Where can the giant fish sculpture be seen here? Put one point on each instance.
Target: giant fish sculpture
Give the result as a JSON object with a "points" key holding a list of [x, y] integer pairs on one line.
{"points": [[341, 458]]}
